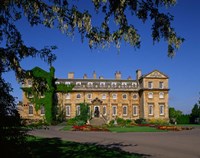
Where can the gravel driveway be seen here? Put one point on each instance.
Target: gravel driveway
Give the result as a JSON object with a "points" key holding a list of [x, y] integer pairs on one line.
{"points": [[182, 144]]}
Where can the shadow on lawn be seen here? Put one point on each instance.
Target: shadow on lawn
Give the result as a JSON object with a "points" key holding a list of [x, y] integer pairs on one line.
{"points": [[55, 147]]}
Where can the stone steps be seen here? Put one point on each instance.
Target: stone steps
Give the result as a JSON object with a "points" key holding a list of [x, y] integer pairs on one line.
{"points": [[97, 121]]}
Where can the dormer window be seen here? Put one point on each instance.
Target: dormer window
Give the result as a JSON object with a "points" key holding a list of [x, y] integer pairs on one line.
{"points": [[102, 84], [78, 83], [90, 84], [67, 83], [124, 84], [113, 84], [57, 82]]}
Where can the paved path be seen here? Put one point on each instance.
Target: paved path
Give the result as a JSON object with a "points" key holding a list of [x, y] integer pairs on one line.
{"points": [[182, 144]]}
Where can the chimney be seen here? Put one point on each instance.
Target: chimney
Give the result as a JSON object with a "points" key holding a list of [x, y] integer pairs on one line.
{"points": [[70, 75], [118, 75], [138, 74], [85, 76], [94, 75]]}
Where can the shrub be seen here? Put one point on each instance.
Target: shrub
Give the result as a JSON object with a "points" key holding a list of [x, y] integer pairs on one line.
{"points": [[121, 122], [141, 121], [71, 121], [158, 122]]}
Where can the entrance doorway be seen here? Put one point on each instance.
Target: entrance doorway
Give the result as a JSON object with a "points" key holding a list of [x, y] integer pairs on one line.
{"points": [[96, 111]]}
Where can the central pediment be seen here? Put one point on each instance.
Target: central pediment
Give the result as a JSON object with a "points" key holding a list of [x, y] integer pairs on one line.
{"points": [[156, 74], [97, 101]]}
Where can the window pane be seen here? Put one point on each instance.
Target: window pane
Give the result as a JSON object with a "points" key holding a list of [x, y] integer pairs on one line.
{"points": [[67, 110], [104, 110], [124, 110], [30, 110], [42, 110]]}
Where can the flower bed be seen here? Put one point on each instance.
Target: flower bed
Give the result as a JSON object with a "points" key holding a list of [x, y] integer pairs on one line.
{"points": [[88, 128]]}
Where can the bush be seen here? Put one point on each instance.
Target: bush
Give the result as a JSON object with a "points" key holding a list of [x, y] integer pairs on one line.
{"points": [[158, 122], [141, 121], [121, 122], [183, 119], [71, 121]]}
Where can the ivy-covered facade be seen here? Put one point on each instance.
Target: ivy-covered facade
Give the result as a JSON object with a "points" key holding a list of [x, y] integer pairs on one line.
{"points": [[145, 97]]}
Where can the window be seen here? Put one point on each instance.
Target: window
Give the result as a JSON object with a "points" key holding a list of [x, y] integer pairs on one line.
{"points": [[150, 106], [135, 110], [78, 83], [90, 84], [114, 96], [150, 95], [68, 110], [68, 96], [161, 85], [103, 96], [89, 96], [124, 84], [30, 95], [113, 84], [30, 109], [124, 96], [124, 109], [114, 110], [67, 83], [78, 110], [78, 96], [102, 84], [162, 109], [42, 109], [134, 84], [135, 96], [29, 83], [104, 110], [57, 82], [150, 85], [161, 95]]}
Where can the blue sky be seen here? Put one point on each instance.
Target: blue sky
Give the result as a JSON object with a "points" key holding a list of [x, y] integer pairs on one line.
{"points": [[75, 56]]}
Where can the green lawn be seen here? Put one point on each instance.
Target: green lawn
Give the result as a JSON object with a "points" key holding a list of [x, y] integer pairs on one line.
{"points": [[134, 129], [55, 147]]}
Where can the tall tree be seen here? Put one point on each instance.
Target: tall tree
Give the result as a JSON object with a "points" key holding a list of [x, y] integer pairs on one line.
{"points": [[68, 17], [195, 114]]}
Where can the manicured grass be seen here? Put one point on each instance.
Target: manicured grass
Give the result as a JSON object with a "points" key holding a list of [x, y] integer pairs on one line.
{"points": [[67, 128], [134, 129], [55, 147]]}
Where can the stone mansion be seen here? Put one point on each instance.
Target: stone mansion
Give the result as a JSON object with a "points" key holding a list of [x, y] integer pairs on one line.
{"points": [[144, 97]]}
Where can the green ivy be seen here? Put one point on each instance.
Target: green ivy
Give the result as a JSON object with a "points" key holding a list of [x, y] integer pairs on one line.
{"points": [[48, 90]]}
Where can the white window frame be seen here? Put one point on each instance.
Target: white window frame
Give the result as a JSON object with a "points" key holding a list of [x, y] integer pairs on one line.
{"points": [[114, 96], [78, 95], [102, 84], [67, 83], [114, 112], [124, 83], [134, 84], [89, 94], [126, 110], [104, 96], [68, 110], [78, 83], [150, 109], [162, 109], [124, 95], [135, 110], [150, 85], [42, 110], [113, 84], [30, 114], [161, 95], [67, 96], [104, 108], [161, 85], [150, 95], [90, 84], [78, 110]]}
